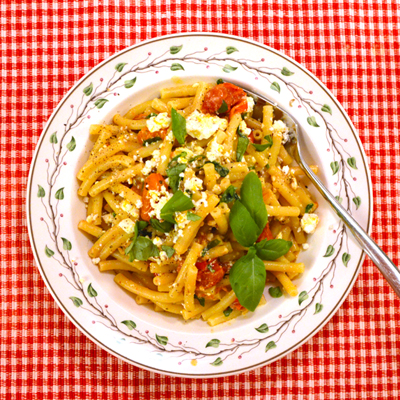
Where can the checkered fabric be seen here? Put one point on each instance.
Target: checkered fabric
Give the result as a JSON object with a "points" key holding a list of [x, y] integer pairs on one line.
{"points": [[46, 46]]}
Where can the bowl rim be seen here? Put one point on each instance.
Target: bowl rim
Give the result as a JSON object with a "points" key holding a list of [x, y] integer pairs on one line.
{"points": [[49, 285]]}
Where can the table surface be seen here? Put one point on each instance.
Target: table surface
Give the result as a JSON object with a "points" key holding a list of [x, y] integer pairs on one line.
{"points": [[351, 46]]}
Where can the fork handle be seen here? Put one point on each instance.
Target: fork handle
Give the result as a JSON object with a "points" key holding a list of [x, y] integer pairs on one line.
{"points": [[375, 253]]}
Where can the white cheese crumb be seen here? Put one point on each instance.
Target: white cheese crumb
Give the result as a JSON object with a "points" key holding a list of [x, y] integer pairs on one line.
{"points": [[139, 204], [153, 163], [91, 218], [108, 218], [163, 256], [129, 208], [285, 169], [158, 241], [95, 261], [202, 126], [193, 184], [309, 223], [127, 225], [281, 128], [161, 121], [158, 199], [244, 129], [215, 151], [305, 246], [250, 103]]}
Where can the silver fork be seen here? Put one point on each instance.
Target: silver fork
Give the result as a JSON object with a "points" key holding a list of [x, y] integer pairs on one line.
{"points": [[375, 253]]}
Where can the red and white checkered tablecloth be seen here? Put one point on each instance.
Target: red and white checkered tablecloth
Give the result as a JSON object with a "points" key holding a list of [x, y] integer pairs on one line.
{"points": [[352, 46]]}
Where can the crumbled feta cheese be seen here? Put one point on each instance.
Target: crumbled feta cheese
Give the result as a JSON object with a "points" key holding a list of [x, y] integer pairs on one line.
{"points": [[244, 129], [163, 256], [161, 121], [95, 261], [91, 218], [195, 84], [285, 169], [309, 222], [250, 103], [129, 208], [305, 246], [281, 128], [158, 241], [153, 163], [127, 225], [193, 184], [293, 183], [201, 202], [158, 199], [178, 234], [202, 126], [108, 218], [183, 159], [215, 151], [139, 204]]}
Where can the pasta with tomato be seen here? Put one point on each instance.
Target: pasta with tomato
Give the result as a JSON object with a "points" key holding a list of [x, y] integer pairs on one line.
{"points": [[193, 200]]}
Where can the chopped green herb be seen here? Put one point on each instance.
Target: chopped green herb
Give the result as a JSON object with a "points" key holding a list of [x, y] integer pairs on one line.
{"points": [[228, 312], [178, 202], [151, 115], [229, 195], [192, 217], [178, 126], [309, 207], [260, 147], [222, 171], [163, 227], [275, 292], [220, 81], [223, 109], [152, 140], [201, 300], [210, 245], [169, 250], [210, 268]]}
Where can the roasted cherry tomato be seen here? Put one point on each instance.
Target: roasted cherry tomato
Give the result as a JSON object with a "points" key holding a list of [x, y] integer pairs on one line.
{"points": [[265, 234], [152, 182], [210, 273], [145, 134], [251, 137], [236, 305], [140, 116], [234, 97]]}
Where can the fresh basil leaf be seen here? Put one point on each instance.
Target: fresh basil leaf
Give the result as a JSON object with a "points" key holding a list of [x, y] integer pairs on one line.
{"points": [[223, 109], [210, 245], [275, 292], [143, 249], [252, 199], [229, 195], [261, 147], [222, 171], [169, 250], [151, 115], [178, 126], [228, 312], [151, 140], [178, 202], [174, 183], [269, 140], [176, 170], [309, 207], [244, 228], [252, 167], [163, 227], [201, 300], [192, 217], [210, 268], [270, 250], [197, 157], [173, 173], [242, 144], [244, 115], [247, 278], [139, 226], [182, 154], [220, 81]]}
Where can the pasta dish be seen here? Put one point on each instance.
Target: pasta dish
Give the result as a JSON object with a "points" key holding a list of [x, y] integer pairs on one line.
{"points": [[193, 200]]}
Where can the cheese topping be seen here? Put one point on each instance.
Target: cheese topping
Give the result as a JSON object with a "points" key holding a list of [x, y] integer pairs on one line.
{"points": [[202, 126], [309, 222], [127, 225], [161, 121]]}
